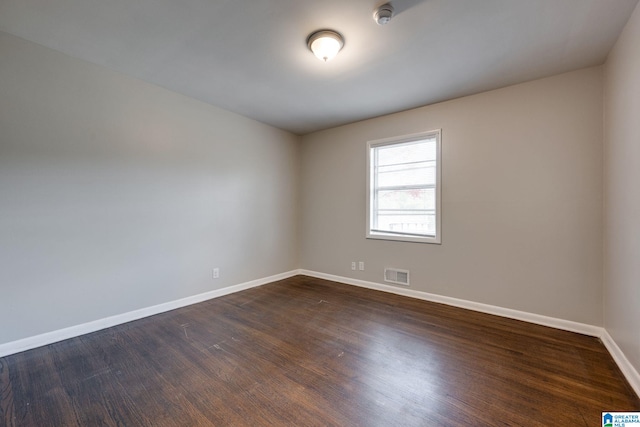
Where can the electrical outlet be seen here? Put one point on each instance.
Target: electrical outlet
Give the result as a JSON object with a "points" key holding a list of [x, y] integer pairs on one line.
{"points": [[361, 265], [215, 273], [353, 265]]}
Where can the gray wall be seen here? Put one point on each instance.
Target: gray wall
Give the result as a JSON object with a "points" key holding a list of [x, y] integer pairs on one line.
{"points": [[117, 195], [622, 192], [521, 199]]}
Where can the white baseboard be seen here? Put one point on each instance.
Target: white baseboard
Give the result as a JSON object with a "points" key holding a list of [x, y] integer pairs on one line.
{"points": [[623, 363], [625, 366], [553, 322], [630, 373], [29, 343]]}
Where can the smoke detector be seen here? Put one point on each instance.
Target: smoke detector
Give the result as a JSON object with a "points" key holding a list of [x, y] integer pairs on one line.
{"points": [[383, 14]]}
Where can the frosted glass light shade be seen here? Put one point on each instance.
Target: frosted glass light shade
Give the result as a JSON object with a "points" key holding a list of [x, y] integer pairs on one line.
{"points": [[325, 44]]}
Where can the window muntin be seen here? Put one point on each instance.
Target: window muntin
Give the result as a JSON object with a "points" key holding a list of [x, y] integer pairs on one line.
{"points": [[403, 195]]}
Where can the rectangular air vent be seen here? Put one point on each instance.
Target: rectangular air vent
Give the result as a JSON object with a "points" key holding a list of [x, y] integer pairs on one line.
{"points": [[397, 276]]}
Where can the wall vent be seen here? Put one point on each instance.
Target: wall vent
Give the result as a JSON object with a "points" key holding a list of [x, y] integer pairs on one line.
{"points": [[397, 276]]}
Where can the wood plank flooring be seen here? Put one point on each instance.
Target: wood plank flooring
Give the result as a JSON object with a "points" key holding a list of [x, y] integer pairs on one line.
{"points": [[309, 352]]}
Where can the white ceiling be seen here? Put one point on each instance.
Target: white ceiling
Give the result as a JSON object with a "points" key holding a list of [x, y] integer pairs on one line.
{"points": [[250, 56]]}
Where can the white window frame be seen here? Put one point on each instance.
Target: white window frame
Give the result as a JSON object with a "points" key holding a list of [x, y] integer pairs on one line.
{"points": [[404, 237]]}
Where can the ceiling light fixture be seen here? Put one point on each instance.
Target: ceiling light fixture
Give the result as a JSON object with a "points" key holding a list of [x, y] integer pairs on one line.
{"points": [[325, 44], [383, 14]]}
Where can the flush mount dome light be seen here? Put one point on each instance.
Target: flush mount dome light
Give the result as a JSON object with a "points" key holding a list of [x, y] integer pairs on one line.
{"points": [[325, 44]]}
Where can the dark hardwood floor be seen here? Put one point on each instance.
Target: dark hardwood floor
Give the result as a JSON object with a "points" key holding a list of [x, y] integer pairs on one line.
{"points": [[308, 352]]}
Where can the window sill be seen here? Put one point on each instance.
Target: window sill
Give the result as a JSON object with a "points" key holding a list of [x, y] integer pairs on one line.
{"points": [[406, 238]]}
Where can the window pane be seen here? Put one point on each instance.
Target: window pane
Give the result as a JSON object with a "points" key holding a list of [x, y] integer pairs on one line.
{"points": [[414, 223], [420, 173], [424, 198], [416, 151]]}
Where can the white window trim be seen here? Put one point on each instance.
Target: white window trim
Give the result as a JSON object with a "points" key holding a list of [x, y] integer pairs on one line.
{"points": [[437, 239]]}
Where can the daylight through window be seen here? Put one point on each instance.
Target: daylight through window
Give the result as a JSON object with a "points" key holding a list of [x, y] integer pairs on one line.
{"points": [[404, 188]]}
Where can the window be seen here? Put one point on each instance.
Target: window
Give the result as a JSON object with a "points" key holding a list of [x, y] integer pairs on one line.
{"points": [[403, 188]]}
